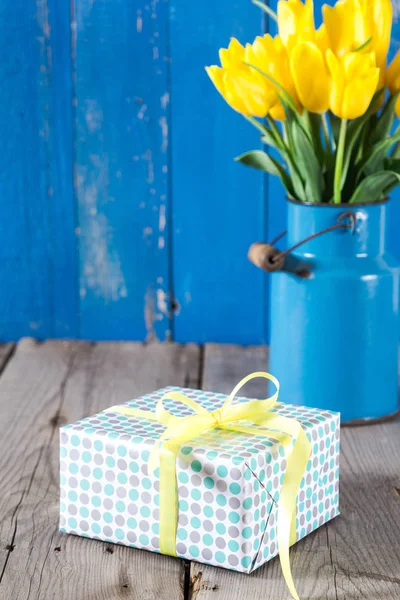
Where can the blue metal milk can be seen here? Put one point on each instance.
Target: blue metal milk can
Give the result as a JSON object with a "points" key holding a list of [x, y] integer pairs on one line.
{"points": [[334, 310]]}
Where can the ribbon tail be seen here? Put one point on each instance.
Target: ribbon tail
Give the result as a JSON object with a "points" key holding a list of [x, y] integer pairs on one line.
{"points": [[297, 460]]}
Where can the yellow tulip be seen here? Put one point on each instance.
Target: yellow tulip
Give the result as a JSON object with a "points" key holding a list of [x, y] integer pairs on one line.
{"points": [[311, 77], [354, 82], [392, 79], [270, 56], [296, 21], [243, 88], [350, 23]]}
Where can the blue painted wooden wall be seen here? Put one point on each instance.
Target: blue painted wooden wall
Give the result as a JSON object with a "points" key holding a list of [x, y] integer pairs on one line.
{"points": [[123, 213]]}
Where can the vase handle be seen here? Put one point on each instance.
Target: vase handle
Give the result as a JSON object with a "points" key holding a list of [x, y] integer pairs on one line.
{"points": [[270, 259]]}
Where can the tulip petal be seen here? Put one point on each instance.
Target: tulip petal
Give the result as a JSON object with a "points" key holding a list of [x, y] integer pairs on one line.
{"points": [[216, 75], [358, 95], [392, 78], [311, 77]]}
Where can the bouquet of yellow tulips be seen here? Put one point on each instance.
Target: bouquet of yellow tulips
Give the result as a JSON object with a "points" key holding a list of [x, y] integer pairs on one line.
{"points": [[322, 98]]}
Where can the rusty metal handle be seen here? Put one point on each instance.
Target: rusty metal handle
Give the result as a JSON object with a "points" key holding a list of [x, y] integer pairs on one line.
{"points": [[270, 259]]}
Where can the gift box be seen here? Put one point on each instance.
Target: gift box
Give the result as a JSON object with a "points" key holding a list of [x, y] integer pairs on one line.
{"points": [[229, 483]]}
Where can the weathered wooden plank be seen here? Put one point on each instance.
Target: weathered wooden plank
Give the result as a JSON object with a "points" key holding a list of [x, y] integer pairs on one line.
{"points": [[6, 351], [46, 385], [122, 97], [356, 555], [218, 205]]}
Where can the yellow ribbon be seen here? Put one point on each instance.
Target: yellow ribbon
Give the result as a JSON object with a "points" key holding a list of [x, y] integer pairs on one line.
{"points": [[179, 430]]}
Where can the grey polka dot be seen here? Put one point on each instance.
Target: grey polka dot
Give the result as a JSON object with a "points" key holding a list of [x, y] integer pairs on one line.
{"points": [[62, 521], [84, 525], [63, 437], [195, 479], [234, 502], [220, 514], [181, 548], [207, 554], [145, 497], [156, 514], [208, 526], [209, 468], [208, 497], [233, 531], [108, 503], [220, 542], [315, 511], [122, 464], [233, 560], [195, 508], [144, 526], [96, 516], [302, 520], [72, 509], [84, 498], [222, 485], [246, 547], [133, 453], [110, 475], [96, 487], [98, 459], [110, 448], [74, 454], [256, 529], [87, 443], [132, 509], [120, 520], [269, 472], [85, 470], [183, 492], [73, 482], [272, 548], [247, 518], [195, 537], [257, 500], [157, 485], [121, 492], [144, 469], [155, 542], [183, 520], [235, 474], [107, 531]]}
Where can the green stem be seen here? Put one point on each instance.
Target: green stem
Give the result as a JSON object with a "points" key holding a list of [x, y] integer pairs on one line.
{"points": [[325, 130], [256, 123], [339, 163]]}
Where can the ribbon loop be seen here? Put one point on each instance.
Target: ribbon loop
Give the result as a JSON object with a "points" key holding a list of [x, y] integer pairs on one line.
{"points": [[180, 430]]}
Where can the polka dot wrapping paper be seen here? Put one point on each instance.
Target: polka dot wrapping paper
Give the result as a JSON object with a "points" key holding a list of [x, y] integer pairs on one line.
{"points": [[228, 483]]}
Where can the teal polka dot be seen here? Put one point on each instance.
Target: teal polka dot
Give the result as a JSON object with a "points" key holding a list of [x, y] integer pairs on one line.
{"points": [[234, 517], [97, 473], [221, 500], [63, 452], [145, 455], [134, 467], [98, 445], [86, 457], [276, 468], [208, 539], [247, 474], [221, 528], [146, 483], [84, 512], [182, 534], [196, 466], [208, 511], [73, 468], [96, 528], [133, 495], [183, 505], [73, 496], [110, 461], [183, 477], [107, 517], [122, 478], [194, 551], [157, 499], [186, 450], [257, 514], [247, 532], [85, 485], [220, 556], [195, 522], [308, 493], [247, 503], [272, 534], [308, 515], [222, 471], [96, 501], [109, 489], [144, 540], [145, 511], [196, 494], [73, 523], [132, 523], [234, 488], [212, 455], [155, 528], [121, 450], [119, 534], [209, 483], [120, 506], [75, 441], [63, 508], [256, 544], [233, 545], [256, 485], [315, 476]]}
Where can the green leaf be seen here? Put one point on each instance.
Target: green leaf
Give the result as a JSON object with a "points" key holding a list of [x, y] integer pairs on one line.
{"points": [[392, 164], [373, 161], [307, 162], [263, 161], [271, 13], [364, 45], [385, 121], [375, 187]]}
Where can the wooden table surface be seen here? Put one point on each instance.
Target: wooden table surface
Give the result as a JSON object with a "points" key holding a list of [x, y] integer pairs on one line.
{"points": [[45, 385]]}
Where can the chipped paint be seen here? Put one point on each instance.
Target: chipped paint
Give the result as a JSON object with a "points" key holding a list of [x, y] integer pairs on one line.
{"points": [[93, 115], [164, 100], [150, 316], [164, 132], [142, 111], [148, 156], [161, 242], [162, 221], [147, 231], [139, 22], [162, 304]]}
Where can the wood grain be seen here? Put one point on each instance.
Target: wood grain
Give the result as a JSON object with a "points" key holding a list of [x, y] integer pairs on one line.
{"points": [[355, 556], [44, 386]]}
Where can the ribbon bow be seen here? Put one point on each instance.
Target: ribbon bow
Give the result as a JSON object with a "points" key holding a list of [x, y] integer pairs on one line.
{"points": [[179, 430]]}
